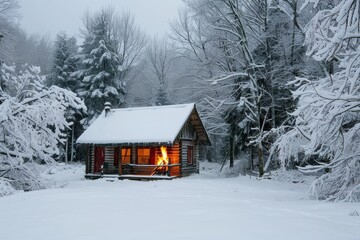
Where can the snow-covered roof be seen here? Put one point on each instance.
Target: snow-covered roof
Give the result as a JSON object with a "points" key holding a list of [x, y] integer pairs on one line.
{"points": [[158, 124]]}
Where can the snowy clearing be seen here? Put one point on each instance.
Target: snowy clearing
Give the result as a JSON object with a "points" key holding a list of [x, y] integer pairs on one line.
{"points": [[198, 207]]}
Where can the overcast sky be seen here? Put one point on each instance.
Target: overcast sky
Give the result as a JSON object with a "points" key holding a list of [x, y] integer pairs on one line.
{"points": [[53, 16]]}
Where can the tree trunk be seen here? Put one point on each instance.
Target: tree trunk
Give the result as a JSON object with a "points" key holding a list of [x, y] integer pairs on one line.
{"points": [[72, 143], [260, 148], [66, 149], [261, 159], [231, 150]]}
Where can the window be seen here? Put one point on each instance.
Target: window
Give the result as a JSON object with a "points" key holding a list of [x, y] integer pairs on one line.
{"points": [[190, 155], [143, 156], [125, 155]]}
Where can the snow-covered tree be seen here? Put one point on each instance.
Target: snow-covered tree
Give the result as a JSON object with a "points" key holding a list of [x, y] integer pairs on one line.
{"points": [[110, 52], [221, 36], [327, 117], [32, 123], [99, 71], [22, 48], [8, 14], [65, 62]]}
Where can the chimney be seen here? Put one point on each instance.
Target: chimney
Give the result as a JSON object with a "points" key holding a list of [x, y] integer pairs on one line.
{"points": [[107, 108]]}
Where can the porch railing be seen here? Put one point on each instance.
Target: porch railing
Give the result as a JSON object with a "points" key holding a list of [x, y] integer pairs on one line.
{"points": [[151, 170]]}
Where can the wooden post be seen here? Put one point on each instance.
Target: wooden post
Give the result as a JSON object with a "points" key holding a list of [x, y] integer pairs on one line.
{"points": [[169, 172], [133, 155], [87, 159], [120, 161]]}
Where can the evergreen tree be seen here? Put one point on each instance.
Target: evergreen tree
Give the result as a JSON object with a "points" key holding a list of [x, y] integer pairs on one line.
{"points": [[65, 62], [161, 97], [100, 67]]}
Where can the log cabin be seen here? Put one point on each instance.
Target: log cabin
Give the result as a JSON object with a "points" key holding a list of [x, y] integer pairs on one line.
{"points": [[158, 142]]}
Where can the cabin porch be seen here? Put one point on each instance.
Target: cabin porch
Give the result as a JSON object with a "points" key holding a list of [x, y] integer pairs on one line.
{"points": [[112, 177], [133, 162], [141, 172]]}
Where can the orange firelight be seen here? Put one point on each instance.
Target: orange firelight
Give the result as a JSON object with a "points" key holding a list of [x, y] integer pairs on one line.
{"points": [[163, 159]]}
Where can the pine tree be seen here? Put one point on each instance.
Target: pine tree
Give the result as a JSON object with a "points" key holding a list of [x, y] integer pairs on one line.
{"points": [[100, 67], [161, 97], [65, 62]]}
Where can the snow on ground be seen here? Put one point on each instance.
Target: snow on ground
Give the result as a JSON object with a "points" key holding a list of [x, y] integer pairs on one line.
{"points": [[202, 206]]}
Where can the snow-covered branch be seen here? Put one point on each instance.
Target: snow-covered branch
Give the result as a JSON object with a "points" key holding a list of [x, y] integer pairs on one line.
{"points": [[32, 122]]}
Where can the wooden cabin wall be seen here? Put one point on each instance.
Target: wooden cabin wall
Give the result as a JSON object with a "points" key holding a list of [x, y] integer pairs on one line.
{"points": [[176, 153], [175, 159], [109, 167], [187, 169], [133, 155], [187, 132], [188, 139], [173, 153], [197, 157]]}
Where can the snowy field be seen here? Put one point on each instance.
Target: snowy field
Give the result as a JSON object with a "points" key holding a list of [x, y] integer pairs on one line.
{"points": [[199, 207]]}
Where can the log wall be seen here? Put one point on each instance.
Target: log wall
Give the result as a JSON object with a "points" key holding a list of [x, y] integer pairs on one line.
{"points": [[173, 153], [187, 132], [187, 169], [109, 167], [177, 155]]}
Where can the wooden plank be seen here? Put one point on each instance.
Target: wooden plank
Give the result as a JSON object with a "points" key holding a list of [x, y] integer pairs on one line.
{"points": [[147, 178], [92, 159], [185, 168]]}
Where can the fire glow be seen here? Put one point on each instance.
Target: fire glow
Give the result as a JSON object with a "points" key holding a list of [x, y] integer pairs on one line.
{"points": [[163, 159]]}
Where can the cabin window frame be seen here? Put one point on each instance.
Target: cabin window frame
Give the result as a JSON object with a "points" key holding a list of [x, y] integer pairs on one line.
{"points": [[190, 155], [130, 155], [137, 156]]}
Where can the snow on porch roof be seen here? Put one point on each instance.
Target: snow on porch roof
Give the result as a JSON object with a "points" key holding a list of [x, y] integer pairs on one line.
{"points": [[159, 124]]}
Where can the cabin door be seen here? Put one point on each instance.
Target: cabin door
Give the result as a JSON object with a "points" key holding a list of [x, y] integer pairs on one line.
{"points": [[99, 158]]}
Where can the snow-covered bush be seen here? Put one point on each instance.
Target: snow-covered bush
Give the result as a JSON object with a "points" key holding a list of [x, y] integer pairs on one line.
{"points": [[291, 176], [5, 188], [327, 125], [32, 122]]}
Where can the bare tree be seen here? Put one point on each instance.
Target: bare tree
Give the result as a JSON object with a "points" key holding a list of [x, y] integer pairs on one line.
{"points": [[218, 34], [8, 14], [32, 49], [327, 120], [130, 42], [160, 59]]}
